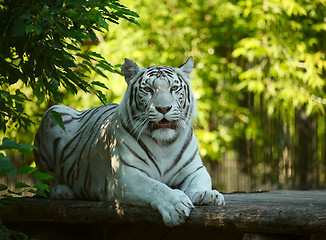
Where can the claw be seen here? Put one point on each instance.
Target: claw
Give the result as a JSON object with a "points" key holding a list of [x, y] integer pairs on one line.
{"points": [[189, 205]]}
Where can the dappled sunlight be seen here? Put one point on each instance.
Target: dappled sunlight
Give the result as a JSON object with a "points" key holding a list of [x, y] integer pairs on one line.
{"points": [[119, 209]]}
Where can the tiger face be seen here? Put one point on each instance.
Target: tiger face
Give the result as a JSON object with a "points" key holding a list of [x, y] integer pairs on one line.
{"points": [[160, 99]]}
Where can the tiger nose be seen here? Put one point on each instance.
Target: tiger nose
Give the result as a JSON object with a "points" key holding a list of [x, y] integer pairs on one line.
{"points": [[163, 110]]}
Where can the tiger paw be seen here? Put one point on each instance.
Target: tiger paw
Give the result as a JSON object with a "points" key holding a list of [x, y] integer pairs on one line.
{"points": [[61, 192], [175, 208], [208, 197]]}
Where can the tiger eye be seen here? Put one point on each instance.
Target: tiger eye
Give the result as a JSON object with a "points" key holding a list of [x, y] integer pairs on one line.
{"points": [[147, 89]]}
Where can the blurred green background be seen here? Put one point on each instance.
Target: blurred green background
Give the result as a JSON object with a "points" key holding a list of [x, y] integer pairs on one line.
{"points": [[259, 81]]}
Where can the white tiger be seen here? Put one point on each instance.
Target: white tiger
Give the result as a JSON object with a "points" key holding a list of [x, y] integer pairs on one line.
{"points": [[141, 152]]}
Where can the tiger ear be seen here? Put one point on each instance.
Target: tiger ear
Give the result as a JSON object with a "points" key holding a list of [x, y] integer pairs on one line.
{"points": [[187, 66], [129, 69]]}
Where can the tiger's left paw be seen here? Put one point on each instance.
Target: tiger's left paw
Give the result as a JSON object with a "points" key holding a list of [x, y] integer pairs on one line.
{"points": [[208, 197], [61, 192]]}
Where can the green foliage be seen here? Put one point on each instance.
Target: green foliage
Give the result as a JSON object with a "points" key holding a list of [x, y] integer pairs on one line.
{"points": [[41, 57], [41, 47], [8, 169], [7, 234], [56, 118], [257, 62]]}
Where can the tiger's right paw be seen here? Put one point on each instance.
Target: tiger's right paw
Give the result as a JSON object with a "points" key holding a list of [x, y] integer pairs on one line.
{"points": [[61, 192], [175, 208]]}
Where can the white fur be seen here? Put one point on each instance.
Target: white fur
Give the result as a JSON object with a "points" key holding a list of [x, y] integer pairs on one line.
{"points": [[102, 159]]}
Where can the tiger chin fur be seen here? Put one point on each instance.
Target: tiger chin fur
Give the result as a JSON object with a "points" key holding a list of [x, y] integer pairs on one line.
{"points": [[142, 152]]}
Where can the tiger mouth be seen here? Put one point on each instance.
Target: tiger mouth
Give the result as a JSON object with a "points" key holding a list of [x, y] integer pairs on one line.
{"points": [[164, 124]]}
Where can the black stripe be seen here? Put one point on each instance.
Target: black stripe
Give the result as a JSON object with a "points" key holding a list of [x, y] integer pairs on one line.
{"points": [[80, 134], [189, 111], [91, 112], [85, 113], [65, 148], [106, 183], [107, 118], [68, 120], [144, 147], [188, 162], [131, 97], [88, 176], [87, 180], [188, 92], [90, 133], [55, 148], [136, 102], [149, 155], [133, 166], [182, 182], [134, 153], [71, 172], [45, 164], [178, 158]]}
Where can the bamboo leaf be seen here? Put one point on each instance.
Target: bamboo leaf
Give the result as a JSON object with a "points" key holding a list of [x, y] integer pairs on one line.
{"points": [[57, 119], [21, 185]]}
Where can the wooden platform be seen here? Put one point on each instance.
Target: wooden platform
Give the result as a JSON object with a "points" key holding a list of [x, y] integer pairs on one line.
{"points": [[264, 215]]}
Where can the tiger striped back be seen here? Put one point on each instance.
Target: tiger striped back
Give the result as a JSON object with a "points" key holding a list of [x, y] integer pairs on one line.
{"points": [[64, 153]]}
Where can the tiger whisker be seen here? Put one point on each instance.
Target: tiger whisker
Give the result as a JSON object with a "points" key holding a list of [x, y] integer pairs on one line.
{"points": [[181, 124], [141, 116], [138, 115], [198, 125], [144, 125], [136, 126]]}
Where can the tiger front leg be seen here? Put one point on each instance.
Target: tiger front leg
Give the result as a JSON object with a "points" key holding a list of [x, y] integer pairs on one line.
{"points": [[174, 206], [199, 189], [136, 188]]}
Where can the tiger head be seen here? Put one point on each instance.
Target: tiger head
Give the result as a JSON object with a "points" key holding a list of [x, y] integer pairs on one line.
{"points": [[158, 100]]}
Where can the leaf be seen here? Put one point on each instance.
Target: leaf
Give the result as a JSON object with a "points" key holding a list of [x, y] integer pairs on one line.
{"points": [[92, 36], [19, 107], [42, 175], [95, 54], [7, 144], [101, 96], [6, 166], [54, 83], [3, 187], [38, 193], [57, 119], [25, 169], [103, 23], [21, 185], [38, 30], [99, 72], [10, 197], [41, 186], [29, 28], [46, 10], [87, 57], [15, 193], [97, 83]]}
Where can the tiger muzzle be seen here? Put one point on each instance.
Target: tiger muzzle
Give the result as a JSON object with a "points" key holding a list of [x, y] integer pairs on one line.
{"points": [[164, 124]]}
